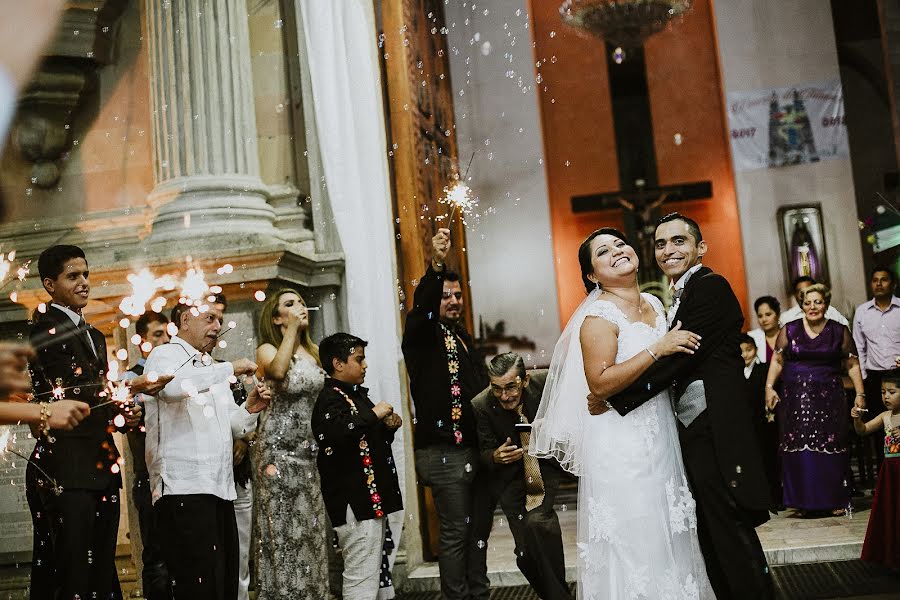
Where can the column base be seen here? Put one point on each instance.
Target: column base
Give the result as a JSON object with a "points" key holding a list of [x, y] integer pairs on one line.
{"points": [[205, 208]]}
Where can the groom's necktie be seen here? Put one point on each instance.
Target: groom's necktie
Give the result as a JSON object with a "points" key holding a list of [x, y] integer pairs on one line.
{"points": [[83, 331], [534, 483]]}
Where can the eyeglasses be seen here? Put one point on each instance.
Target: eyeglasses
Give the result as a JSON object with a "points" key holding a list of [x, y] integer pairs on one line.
{"points": [[813, 303], [510, 389], [448, 295]]}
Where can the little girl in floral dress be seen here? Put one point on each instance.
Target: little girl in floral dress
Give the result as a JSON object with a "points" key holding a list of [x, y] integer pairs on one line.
{"points": [[882, 543]]}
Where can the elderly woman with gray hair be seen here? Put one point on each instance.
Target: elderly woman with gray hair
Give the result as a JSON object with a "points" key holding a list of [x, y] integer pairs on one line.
{"points": [[805, 388]]}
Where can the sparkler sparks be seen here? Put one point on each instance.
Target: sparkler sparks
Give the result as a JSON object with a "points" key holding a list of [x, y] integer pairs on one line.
{"points": [[6, 441], [6, 265], [144, 287], [459, 196]]}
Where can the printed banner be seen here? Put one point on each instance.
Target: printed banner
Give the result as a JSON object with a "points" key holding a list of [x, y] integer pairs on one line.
{"points": [[778, 127]]}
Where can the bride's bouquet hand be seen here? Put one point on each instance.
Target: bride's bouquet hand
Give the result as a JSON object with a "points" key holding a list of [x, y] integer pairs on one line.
{"points": [[677, 340], [597, 405]]}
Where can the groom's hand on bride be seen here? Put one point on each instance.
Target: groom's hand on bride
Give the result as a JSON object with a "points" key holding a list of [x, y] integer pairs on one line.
{"points": [[677, 340], [507, 453]]}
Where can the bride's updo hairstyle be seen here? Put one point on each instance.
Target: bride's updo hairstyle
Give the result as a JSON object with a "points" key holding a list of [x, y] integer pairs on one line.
{"points": [[584, 254]]}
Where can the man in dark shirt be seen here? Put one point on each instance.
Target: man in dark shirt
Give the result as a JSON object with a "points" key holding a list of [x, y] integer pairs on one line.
{"points": [[526, 486], [446, 372]]}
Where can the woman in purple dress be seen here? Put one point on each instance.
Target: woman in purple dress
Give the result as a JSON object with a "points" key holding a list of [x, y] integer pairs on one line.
{"points": [[812, 409]]}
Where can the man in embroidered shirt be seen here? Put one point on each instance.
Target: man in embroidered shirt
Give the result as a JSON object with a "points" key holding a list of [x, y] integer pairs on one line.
{"points": [[876, 332], [190, 425], [795, 312], [445, 373]]}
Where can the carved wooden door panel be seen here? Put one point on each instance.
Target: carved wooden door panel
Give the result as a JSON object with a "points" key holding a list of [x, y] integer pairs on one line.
{"points": [[423, 153]]}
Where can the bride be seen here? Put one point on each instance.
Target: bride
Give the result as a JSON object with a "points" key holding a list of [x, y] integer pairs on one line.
{"points": [[637, 528]]}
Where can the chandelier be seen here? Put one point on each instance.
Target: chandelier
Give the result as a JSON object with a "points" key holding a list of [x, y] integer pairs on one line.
{"points": [[624, 23]]}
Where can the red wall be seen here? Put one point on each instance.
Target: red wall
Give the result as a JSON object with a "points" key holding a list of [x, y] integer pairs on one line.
{"points": [[685, 97]]}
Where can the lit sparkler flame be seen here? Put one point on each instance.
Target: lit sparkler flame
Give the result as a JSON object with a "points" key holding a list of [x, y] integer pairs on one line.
{"points": [[194, 287], [459, 197], [6, 265], [144, 287]]}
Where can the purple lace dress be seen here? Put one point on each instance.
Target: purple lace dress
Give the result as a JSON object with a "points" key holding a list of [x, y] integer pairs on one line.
{"points": [[814, 416]]}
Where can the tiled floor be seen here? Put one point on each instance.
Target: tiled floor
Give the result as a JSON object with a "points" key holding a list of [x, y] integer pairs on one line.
{"points": [[847, 580], [786, 540]]}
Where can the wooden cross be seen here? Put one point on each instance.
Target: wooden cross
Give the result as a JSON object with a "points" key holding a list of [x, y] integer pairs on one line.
{"points": [[642, 205], [641, 196]]}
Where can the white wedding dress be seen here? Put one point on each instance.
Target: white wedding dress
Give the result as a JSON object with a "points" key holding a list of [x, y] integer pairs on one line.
{"points": [[637, 527]]}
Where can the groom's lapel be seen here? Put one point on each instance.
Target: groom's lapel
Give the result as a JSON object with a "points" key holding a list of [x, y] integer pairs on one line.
{"points": [[686, 294]]}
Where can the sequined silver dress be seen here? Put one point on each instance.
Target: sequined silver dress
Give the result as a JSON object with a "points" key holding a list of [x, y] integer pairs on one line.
{"points": [[290, 526]]}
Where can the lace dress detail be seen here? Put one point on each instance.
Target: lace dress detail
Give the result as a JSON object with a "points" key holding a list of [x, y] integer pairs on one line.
{"points": [[637, 537], [290, 525]]}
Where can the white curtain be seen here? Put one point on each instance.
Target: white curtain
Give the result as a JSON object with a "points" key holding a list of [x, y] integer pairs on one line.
{"points": [[341, 51]]}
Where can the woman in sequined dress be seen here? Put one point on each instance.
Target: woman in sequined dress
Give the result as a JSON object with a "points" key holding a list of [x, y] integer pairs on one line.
{"points": [[290, 528], [811, 406]]}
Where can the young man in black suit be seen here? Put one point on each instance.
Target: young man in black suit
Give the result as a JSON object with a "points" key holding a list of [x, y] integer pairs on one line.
{"points": [[526, 486], [80, 505], [718, 442]]}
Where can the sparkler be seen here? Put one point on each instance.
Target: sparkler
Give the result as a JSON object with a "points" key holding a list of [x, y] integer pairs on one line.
{"points": [[197, 355], [459, 196], [144, 287], [5, 447], [6, 266]]}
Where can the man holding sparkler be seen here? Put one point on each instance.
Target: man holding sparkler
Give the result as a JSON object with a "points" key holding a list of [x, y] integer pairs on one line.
{"points": [[190, 425], [446, 372], [73, 480]]}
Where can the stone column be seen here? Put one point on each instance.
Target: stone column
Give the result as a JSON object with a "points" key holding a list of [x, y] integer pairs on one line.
{"points": [[204, 127]]}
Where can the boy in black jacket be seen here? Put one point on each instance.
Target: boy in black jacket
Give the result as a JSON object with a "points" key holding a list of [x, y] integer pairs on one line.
{"points": [[356, 465]]}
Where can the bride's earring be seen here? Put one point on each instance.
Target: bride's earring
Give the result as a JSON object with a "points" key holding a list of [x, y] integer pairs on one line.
{"points": [[597, 285]]}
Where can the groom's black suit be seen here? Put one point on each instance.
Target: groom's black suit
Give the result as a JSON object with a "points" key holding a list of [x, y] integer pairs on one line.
{"points": [[720, 451], [75, 531]]}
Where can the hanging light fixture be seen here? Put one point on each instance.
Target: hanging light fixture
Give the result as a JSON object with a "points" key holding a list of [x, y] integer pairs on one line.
{"points": [[626, 23]]}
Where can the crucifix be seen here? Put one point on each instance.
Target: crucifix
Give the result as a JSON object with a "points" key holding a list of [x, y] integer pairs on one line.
{"points": [[641, 196]]}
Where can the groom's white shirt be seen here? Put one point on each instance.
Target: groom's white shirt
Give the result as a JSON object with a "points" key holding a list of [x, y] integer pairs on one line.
{"points": [[692, 401], [676, 288]]}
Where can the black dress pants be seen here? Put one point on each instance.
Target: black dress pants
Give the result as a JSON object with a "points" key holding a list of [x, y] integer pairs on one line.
{"points": [[83, 525], [155, 576], [735, 562], [42, 571], [199, 541], [464, 505], [539, 551]]}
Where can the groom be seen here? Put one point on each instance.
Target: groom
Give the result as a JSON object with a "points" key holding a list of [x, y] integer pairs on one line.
{"points": [[719, 451]]}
